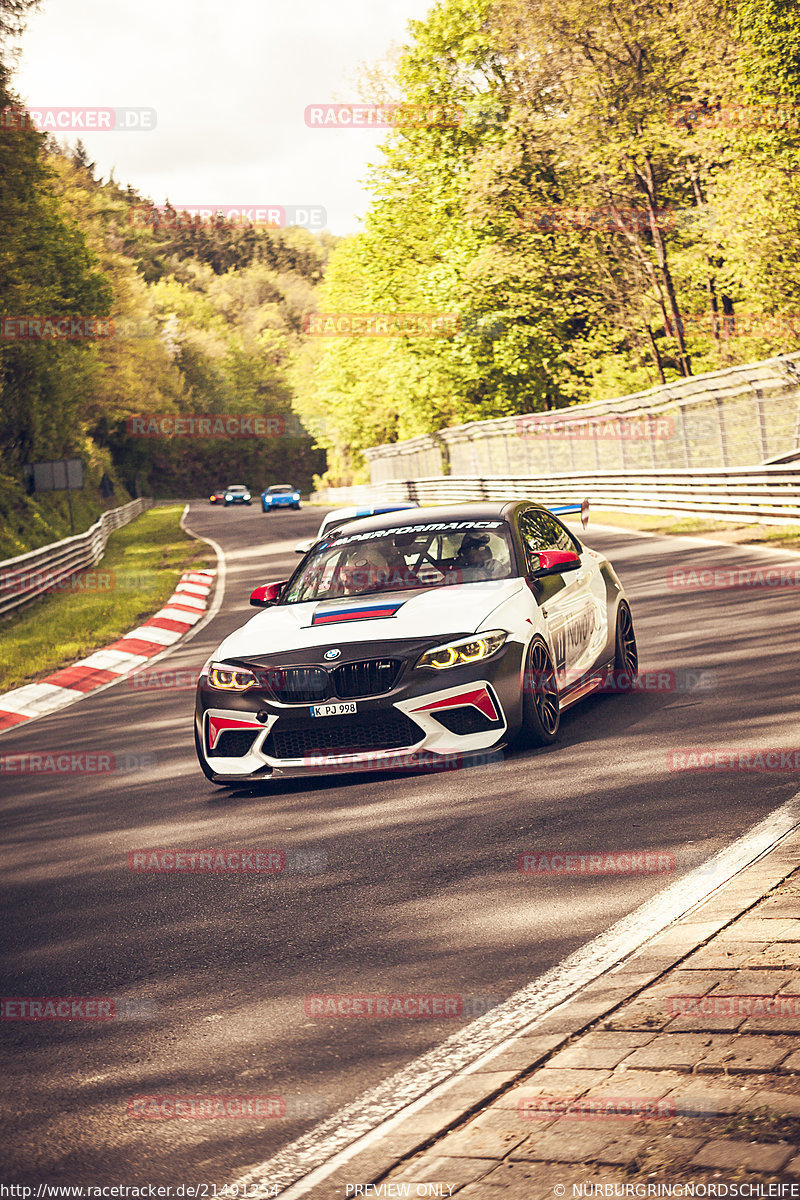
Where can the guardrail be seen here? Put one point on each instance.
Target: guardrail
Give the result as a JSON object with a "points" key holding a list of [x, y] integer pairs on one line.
{"points": [[763, 494], [30, 575]]}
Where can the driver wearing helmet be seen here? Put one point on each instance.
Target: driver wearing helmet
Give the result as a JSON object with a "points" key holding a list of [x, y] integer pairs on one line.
{"points": [[365, 570], [475, 559]]}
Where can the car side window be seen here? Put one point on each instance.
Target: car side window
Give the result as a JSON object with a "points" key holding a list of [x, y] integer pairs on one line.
{"points": [[541, 531]]}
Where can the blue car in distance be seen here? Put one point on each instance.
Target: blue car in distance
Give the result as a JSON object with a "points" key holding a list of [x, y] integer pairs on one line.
{"points": [[280, 495]]}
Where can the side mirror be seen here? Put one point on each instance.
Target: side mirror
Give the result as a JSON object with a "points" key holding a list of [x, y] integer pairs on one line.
{"points": [[555, 562], [303, 547], [266, 596]]}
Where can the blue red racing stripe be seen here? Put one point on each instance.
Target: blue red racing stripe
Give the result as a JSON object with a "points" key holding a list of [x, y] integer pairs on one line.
{"points": [[364, 612]]}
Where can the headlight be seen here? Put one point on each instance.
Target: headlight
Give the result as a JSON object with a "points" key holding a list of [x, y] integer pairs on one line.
{"points": [[467, 650], [246, 496], [230, 679]]}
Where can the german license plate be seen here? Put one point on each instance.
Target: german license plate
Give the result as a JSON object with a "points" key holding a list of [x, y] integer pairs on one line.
{"points": [[334, 710]]}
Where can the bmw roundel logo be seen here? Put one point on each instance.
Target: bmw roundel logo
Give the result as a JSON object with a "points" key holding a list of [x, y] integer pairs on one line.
{"points": [[332, 653]]}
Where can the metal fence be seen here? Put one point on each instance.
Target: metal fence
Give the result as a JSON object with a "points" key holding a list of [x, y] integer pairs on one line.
{"points": [[738, 417], [45, 570]]}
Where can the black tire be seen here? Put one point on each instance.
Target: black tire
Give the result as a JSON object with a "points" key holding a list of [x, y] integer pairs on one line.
{"points": [[204, 767], [626, 654], [541, 711], [296, 507]]}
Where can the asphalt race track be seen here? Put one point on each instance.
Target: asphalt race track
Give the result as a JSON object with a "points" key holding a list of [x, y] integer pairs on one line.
{"points": [[415, 887]]}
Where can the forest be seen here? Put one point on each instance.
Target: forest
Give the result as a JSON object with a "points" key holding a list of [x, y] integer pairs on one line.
{"points": [[113, 310], [608, 200], [617, 205]]}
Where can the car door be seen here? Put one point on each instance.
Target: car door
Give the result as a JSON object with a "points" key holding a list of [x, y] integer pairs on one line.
{"points": [[573, 604]]}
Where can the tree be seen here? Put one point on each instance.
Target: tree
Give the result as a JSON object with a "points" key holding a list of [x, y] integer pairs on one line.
{"points": [[12, 21]]}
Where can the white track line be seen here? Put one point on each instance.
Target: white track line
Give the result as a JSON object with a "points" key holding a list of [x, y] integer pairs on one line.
{"points": [[310, 1159], [219, 591]]}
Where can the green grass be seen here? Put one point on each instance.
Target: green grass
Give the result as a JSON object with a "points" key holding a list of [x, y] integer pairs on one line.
{"points": [[734, 531], [142, 564]]}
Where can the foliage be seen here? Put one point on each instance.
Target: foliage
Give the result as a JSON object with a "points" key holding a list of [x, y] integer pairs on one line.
{"points": [[199, 320], [621, 186], [605, 198]]}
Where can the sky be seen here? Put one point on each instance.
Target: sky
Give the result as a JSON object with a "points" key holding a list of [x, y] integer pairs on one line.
{"points": [[230, 81]]}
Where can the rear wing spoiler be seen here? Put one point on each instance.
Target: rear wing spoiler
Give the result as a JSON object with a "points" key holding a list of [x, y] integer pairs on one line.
{"points": [[561, 509]]}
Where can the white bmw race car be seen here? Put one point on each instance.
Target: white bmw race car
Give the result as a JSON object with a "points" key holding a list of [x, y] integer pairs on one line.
{"points": [[407, 638]]}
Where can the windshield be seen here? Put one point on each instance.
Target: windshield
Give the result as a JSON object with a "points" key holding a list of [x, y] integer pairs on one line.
{"points": [[423, 556], [237, 487], [283, 487]]}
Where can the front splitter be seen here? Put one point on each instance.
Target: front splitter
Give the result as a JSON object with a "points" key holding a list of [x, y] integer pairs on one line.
{"points": [[424, 762]]}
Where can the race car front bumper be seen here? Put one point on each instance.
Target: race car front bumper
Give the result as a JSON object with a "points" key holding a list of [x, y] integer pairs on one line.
{"points": [[428, 720]]}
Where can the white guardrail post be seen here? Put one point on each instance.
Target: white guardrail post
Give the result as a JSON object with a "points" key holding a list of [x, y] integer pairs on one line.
{"points": [[45, 570]]}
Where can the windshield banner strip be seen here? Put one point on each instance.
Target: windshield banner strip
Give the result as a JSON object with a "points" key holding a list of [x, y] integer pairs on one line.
{"points": [[428, 527]]}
